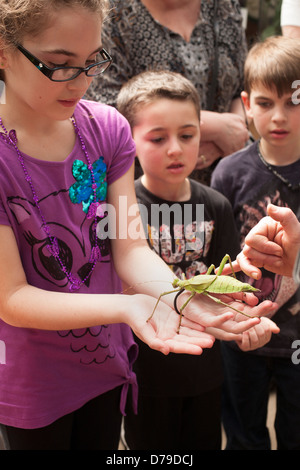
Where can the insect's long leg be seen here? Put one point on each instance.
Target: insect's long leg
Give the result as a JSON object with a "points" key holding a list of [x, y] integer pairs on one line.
{"points": [[212, 267], [158, 300], [221, 267], [218, 301], [223, 262]]}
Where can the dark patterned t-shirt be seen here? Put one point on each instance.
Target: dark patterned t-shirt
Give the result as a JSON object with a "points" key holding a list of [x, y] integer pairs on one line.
{"points": [[250, 186], [188, 241]]}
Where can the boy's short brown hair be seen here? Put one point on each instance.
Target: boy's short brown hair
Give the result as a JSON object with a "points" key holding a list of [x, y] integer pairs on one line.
{"points": [[147, 87], [273, 63]]}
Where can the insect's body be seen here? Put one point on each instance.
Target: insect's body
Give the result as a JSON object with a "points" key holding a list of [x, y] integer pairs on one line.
{"points": [[213, 284], [209, 284]]}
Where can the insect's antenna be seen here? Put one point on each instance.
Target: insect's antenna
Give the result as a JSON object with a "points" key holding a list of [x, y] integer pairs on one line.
{"points": [[141, 283]]}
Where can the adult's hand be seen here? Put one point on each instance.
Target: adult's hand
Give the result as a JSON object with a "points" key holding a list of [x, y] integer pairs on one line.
{"points": [[228, 131], [209, 152], [232, 133], [273, 244]]}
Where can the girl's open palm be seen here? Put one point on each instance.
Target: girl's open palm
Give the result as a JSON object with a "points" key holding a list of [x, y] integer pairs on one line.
{"points": [[160, 332], [201, 314]]}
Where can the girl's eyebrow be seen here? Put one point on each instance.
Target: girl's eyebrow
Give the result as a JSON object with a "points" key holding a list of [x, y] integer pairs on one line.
{"points": [[68, 53]]}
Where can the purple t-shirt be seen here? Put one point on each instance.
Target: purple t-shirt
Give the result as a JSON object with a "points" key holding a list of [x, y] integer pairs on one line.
{"points": [[47, 374]]}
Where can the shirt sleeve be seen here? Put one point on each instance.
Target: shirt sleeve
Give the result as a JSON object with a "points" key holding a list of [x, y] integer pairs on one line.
{"points": [[290, 13], [109, 136], [124, 151]]}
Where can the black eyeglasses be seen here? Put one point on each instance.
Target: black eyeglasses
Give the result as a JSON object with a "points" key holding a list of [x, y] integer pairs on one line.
{"points": [[65, 74]]}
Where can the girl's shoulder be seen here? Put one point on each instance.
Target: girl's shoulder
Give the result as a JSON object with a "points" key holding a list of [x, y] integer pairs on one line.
{"points": [[108, 134], [88, 109], [101, 119]]}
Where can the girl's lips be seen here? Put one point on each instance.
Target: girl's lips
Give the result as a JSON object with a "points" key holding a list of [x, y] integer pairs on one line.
{"points": [[68, 103]]}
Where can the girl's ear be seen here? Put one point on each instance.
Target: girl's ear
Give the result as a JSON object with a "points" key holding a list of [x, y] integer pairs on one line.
{"points": [[4, 53], [3, 66], [3, 59]]}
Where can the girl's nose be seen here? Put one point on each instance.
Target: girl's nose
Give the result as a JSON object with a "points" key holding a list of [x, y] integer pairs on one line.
{"points": [[82, 82]]}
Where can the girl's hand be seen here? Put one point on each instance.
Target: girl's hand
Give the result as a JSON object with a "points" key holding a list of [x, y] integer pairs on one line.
{"points": [[160, 332], [201, 314]]}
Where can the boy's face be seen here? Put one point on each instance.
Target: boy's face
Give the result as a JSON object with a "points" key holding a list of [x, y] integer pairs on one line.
{"points": [[277, 120], [167, 137]]}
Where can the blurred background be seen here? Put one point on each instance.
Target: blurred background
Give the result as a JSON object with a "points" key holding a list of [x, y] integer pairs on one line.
{"points": [[261, 18]]}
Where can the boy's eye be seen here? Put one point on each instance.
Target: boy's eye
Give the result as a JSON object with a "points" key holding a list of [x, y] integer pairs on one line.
{"points": [[157, 140], [264, 104], [187, 136]]}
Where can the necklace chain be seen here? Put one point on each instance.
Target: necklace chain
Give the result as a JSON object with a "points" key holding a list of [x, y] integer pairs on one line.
{"points": [[278, 175], [53, 247]]}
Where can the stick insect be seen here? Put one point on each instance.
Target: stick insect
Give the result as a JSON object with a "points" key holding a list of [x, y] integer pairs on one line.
{"points": [[206, 284]]}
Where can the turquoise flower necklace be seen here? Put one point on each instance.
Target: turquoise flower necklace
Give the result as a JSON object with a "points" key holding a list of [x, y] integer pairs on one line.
{"points": [[53, 247]]}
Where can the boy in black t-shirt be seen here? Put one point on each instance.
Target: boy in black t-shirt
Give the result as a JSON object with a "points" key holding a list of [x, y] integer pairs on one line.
{"points": [[190, 226]]}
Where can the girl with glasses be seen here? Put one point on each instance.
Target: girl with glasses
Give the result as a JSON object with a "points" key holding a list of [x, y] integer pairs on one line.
{"points": [[65, 167]]}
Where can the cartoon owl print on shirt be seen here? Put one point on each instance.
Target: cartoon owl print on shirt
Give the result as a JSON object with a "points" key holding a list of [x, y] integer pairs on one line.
{"points": [[99, 348], [70, 245], [81, 192]]}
